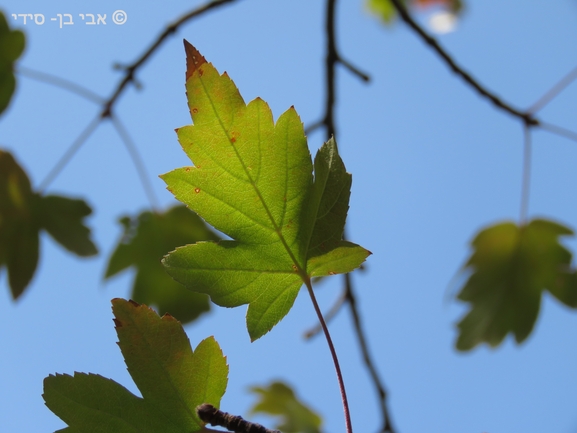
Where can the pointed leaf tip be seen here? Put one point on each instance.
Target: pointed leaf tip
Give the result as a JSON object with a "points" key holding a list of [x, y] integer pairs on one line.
{"points": [[193, 59]]}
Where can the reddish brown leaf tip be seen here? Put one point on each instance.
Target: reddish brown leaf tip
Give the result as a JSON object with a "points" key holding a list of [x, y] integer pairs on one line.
{"points": [[117, 323], [193, 59]]}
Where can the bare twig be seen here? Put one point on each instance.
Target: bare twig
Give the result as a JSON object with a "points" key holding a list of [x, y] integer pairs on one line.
{"points": [[380, 388], [559, 130], [526, 117], [329, 315], [60, 82], [353, 69], [136, 159], [554, 91], [129, 71], [526, 174], [70, 152], [107, 105], [332, 59]]}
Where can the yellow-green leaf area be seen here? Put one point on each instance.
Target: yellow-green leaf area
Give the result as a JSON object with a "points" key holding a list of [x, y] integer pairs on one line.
{"points": [[252, 179], [171, 377]]}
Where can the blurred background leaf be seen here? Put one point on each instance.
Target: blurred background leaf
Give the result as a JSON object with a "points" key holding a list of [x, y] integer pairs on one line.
{"points": [[12, 44], [279, 400], [23, 213], [511, 266], [147, 238]]}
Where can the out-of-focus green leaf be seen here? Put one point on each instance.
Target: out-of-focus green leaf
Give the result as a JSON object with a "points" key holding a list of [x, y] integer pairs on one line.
{"points": [[511, 266], [172, 379], [253, 180], [279, 400], [18, 227], [145, 240], [23, 213], [12, 44], [62, 218]]}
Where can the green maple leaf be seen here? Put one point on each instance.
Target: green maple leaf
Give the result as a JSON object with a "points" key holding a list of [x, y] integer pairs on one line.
{"points": [[172, 379], [11, 47], [278, 399], [253, 180], [511, 267], [23, 213], [145, 240]]}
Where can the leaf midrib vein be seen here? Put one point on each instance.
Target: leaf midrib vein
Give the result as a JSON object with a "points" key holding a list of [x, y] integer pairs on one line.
{"points": [[277, 229]]}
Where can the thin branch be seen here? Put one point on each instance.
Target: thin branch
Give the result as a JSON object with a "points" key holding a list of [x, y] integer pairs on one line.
{"points": [[526, 174], [314, 126], [347, 413], [137, 160], [332, 59], [380, 388], [554, 91], [74, 147], [129, 71], [353, 69], [559, 130], [328, 316], [330, 62], [60, 82], [526, 117], [107, 105]]}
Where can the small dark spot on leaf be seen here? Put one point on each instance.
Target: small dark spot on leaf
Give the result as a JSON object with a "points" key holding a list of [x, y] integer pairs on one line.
{"points": [[294, 267], [332, 273], [186, 168], [233, 140], [197, 190], [117, 323], [194, 110], [136, 304], [200, 72]]}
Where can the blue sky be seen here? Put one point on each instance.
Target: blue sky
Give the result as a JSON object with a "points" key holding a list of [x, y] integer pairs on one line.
{"points": [[432, 163]]}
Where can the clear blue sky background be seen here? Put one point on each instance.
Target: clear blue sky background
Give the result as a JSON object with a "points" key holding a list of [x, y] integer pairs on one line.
{"points": [[432, 163]]}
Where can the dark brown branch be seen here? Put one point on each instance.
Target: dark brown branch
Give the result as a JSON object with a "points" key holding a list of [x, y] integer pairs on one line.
{"points": [[353, 69], [330, 62], [107, 105], [129, 71], [380, 388], [211, 415], [332, 58], [526, 117]]}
